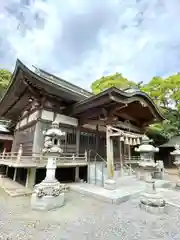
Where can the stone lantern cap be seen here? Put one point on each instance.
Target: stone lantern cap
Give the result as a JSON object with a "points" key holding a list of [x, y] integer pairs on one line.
{"points": [[146, 146], [176, 152], [54, 131]]}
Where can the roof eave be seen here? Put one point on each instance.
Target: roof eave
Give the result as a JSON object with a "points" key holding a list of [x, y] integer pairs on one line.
{"points": [[158, 116], [21, 67]]}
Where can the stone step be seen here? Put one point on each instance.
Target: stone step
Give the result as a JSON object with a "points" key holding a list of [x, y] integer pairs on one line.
{"points": [[13, 188]]}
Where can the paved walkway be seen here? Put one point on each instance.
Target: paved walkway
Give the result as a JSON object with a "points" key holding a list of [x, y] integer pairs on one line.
{"points": [[172, 196], [126, 188], [85, 218], [13, 188]]}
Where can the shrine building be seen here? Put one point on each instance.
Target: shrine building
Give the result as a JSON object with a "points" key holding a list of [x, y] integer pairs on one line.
{"points": [[35, 98]]}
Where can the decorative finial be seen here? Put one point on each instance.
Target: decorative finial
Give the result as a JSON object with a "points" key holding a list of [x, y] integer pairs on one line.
{"points": [[55, 124]]}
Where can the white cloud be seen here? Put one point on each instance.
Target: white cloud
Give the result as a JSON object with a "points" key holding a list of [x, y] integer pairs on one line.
{"points": [[83, 40]]}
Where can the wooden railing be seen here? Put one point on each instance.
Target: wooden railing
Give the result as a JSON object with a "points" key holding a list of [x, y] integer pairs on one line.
{"points": [[40, 159]]}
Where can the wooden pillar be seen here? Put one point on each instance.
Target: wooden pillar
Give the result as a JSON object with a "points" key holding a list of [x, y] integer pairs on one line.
{"points": [[109, 153], [13, 148], [38, 139], [2, 169], [97, 138], [20, 151], [170, 161], [77, 174], [77, 140]]}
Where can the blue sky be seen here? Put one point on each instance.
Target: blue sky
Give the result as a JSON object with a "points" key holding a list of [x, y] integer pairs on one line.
{"points": [[82, 40]]}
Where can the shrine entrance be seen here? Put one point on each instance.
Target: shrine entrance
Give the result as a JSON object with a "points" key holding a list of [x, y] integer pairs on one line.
{"points": [[126, 142]]}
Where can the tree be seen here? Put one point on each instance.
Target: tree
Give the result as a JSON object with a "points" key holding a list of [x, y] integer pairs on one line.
{"points": [[157, 90], [166, 94], [115, 80], [5, 77]]}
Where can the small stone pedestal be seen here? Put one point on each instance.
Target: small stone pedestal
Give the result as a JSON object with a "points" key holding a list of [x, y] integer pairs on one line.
{"points": [[150, 200], [110, 184], [49, 194]]}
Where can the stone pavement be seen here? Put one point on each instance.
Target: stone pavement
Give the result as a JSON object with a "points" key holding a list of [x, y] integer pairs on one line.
{"points": [[127, 187], [172, 196], [85, 218]]}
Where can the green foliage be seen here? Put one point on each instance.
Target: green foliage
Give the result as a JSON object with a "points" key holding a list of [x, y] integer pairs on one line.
{"points": [[165, 93], [157, 90], [116, 80], [5, 77]]}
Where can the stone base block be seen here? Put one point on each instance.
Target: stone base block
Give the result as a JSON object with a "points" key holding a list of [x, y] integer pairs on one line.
{"points": [[158, 175], [152, 209], [46, 203], [178, 185], [110, 184], [152, 202]]}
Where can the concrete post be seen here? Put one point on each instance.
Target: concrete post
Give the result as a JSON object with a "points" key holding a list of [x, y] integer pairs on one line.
{"points": [[15, 174], [31, 177], [7, 170]]}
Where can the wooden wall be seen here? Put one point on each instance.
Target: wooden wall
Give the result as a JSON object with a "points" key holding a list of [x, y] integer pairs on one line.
{"points": [[26, 138]]}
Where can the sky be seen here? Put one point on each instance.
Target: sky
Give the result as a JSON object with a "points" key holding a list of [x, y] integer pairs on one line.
{"points": [[82, 40]]}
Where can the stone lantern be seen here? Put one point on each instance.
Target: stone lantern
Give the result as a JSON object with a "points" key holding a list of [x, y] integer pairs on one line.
{"points": [[49, 194], [176, 154], [147, 163], [150, 200]]}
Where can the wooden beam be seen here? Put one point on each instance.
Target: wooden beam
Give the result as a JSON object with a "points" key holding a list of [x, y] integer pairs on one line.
{"points": [[123, 133], [119, 132], [31, 89], [102, 122], [91, 104], [126, 126], [95, 113], [127, 117], [90, 113], [117, 108]]}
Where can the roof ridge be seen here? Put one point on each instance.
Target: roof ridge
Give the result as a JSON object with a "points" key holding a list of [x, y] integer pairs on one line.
{"points": [[69, 84]]}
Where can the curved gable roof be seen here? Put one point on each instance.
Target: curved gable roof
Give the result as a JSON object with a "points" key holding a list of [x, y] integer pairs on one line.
{"points": [[124, 96], [54, 86]]}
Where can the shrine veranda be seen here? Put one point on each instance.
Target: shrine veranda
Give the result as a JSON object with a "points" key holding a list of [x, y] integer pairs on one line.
{"points": [[103, 127]]}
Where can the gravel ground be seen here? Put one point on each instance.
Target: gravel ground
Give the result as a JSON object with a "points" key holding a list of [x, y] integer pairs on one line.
{"points": [[84, 218]]}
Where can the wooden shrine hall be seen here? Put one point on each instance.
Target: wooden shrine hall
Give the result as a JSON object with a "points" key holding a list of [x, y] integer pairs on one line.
{"points": [[35, 98]]}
